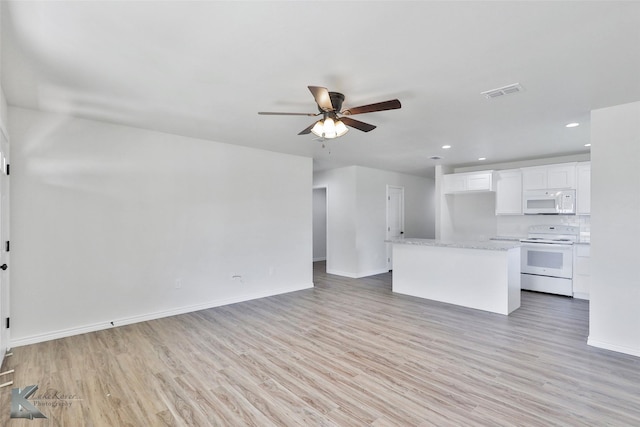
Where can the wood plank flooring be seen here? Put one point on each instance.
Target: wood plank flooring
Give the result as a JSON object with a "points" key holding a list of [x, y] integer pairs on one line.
{"points": [[346, 353]]}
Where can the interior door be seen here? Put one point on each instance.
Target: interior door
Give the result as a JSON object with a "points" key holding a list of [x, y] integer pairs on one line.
{"points": [[395, 219], [4, 246]]}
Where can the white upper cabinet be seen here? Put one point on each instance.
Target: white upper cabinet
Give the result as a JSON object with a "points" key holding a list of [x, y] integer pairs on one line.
{"points": [[509, 192], [454, 183], [534, 178], [560, 176], [468, 182], [583, 190]]}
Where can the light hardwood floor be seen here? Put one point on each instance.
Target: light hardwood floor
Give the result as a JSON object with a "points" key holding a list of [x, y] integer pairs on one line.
{"points": [[347, 353]]}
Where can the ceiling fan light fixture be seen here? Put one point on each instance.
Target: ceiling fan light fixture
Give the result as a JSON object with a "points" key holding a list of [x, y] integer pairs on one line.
{"points": [[341, 128], [329, 129], [318, 128], [330, 105]]}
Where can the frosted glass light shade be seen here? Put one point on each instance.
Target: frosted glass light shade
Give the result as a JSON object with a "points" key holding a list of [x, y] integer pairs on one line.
{"points": [[341, 129], [328, 128], [318, 128]]}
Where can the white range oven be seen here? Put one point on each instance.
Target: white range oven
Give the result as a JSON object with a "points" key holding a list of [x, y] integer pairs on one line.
{"points": [[547, 259]]}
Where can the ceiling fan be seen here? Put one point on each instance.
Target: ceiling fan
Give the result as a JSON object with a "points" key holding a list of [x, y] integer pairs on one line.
{"points": [[329, 106]]}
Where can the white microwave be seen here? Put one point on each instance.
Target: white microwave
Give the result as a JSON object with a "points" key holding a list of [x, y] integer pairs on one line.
{"points": [[549, 202]]}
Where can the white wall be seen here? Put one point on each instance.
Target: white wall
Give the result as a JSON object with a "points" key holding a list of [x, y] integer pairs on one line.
{"points": [[3, 101], [357, 216], [319, 224], [444, 208], [341, 221], [371, 214], [3, 114], [473, 216], [111, 223], [615, 221]]}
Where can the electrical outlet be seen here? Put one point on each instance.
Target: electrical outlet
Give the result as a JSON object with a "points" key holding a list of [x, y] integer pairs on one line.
{"points": [[178, 283]]}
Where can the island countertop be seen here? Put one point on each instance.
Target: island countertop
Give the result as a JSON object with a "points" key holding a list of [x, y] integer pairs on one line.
{"points": [[491, 245]]}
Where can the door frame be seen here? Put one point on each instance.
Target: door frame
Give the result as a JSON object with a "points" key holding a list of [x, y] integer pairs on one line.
{"points": [[388, 227], [326, 226], [5, 337]]}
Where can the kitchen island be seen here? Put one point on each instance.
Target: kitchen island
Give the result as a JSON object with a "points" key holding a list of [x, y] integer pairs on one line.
{"points": [[484, 275]]}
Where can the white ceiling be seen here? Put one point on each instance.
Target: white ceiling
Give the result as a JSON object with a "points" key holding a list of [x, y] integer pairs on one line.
{"points": [[204, 69]]}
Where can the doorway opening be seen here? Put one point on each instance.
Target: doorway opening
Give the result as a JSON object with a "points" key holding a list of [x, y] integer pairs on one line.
{"points": [[320, 225]]}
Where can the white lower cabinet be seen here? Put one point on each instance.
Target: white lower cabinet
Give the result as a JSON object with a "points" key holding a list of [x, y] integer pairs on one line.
{"points": [[581, 271]]}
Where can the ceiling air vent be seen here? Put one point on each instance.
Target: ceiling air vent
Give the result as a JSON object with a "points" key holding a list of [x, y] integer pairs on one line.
{"points": [[501, 91]]}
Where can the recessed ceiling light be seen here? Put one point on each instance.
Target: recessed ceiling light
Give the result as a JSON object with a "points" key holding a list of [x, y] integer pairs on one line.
{"points": [[446, 147], [587, 145], [482, 158], [572, 125]]}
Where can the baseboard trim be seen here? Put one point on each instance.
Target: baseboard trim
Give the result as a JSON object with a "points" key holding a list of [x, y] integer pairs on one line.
{"points": [[613, 347], [63, 333], [373, 272], [581, 295], [357, 276], [342, 273]]}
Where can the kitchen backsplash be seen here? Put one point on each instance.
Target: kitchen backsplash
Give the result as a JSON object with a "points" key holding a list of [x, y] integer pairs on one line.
{"points": [[518, 225]]}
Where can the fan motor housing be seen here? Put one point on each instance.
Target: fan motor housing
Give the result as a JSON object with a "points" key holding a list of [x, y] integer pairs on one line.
{"points": [[336, 100]]}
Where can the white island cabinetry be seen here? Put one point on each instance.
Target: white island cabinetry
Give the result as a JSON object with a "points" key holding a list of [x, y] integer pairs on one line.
{"points": [[479, 275]]}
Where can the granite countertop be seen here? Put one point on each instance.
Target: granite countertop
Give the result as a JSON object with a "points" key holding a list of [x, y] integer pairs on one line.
{"points": [[491, 245]]}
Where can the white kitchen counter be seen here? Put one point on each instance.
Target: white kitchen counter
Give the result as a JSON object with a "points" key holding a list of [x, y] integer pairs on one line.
{"points": [[490, 245], [484, 275]]}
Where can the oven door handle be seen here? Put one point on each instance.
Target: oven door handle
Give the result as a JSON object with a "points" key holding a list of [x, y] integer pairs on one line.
{"points": [[546, 245]]}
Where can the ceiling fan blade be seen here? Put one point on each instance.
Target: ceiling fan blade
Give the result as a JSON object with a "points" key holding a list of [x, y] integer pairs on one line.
{"points": [[321, 95], [271, 113], [364, 127], [307, 130], [393, 104]]}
